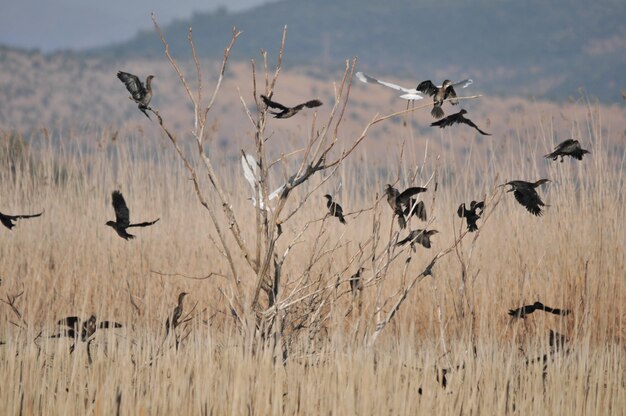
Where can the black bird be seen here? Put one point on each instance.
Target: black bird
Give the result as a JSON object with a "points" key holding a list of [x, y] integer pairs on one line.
{"points": [[174, 320], [457, 118], [415, 208], [122, 217], [286, 112], [139, 93], [399, 200], [471, 214], [439, 94], [355, 281], [334, 209], [569, 148], [528, 309], [76, 329], [7, 220], [526, 195], [418, 236]]}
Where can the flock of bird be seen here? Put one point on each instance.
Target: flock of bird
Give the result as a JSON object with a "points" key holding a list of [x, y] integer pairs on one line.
{"points": [[404, 205]]}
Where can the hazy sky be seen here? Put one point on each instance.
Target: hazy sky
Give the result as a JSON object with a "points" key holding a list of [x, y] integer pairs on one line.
{"points": [[73, 24]]}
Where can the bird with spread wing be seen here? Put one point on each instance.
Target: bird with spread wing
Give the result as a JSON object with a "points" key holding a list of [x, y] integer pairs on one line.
{"points": [[122, 217], [457, 118], [139, 93], [286, 112], [7, 220]]}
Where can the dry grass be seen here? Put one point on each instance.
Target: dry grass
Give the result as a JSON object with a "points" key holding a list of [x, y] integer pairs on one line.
{"points": [[69, 263]]}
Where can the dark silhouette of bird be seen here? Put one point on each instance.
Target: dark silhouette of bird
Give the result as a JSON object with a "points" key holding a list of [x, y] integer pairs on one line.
{"points": [[527, 196], [7, 220], [138, 92], [173, 320], [418, 236], [286, 112], [441, 93], [122, 217], [355, 281], [334, 209], [471, 214], [83, 330], [413, 207], [457, 118], [399, 200], [569, 148], [528, 309]]}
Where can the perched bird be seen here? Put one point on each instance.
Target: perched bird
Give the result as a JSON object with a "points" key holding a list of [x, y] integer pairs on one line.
{"points": [[174, 320], [528, 309], [409, 93], [334, 209], [415, 208], [251, 173], [569, 148], [457, 118], [122, 217], [527, 196], [418, 236], [76, 329], [139, 93], [355, 281], [399, 200], [286, 112], [7, 220], [441, 93], [471, 214]]}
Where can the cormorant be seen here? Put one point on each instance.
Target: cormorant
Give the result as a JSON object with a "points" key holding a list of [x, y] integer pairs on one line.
{"points": [[83, 330], [7, 220], [526, 194], [441, 93], [334, 209], [173, 321], [528, 309], [457, 118], [399, 200], [286, 112], [569, 148], [139, 93], [471, 214], [122, 217], [355, 281], [418, 236]]}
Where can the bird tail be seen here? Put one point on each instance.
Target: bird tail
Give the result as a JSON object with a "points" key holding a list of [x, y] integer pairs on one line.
{"points": [[401, 221], [342, 219], [471, 227], [552, 156], [437, 112], [143, 110]]}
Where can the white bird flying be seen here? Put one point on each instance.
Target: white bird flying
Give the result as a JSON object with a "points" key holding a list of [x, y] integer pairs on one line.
{"points": [[409, 93], [251, 173]]}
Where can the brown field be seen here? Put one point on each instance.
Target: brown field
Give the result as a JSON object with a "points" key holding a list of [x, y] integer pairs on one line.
{"points": [[320, 353]]}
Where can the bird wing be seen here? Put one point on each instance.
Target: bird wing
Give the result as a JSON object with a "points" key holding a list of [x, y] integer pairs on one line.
{"points": [[133, 85], [427, 87], [463, 84], [370, 80], [461, 212], [17, 217], [479, 206], [451, 94], [529, 198], [277, 192], [565, 143], [109, 324], [122, 215], [273, 104], [313, 103], [470, 123], [404, 197], [250, 169], [447, 121], [70, 321], [143, 224]]}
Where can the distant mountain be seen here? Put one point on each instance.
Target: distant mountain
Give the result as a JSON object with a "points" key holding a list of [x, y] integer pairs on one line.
{"points": [[544, 49]]}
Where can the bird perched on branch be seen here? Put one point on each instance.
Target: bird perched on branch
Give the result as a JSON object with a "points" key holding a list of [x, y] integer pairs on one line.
{"points": [[7, 220], [355, 281], [334, 209], [286, 112], [418, 236], [457, 118], [173, 320], [122, 217], [409, 93], [471, 214], [138, 92], [441, 93], [527, 196], [569, 148], [528, 309], [399, 200]]}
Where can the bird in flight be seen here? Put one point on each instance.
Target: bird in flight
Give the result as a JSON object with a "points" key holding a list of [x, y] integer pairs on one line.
{"points": [[122, 217], [7, 220], [569, 148], [471, 214], [441, 93], [75, 328], [528, 309], [286, 112], [138, 92], [418, 236], [457, 118], [409, 93], [334, 209], [399, 200], [527, 196]]}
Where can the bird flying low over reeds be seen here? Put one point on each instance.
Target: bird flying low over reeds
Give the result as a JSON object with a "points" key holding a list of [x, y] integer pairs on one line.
{"points": [[139, 93], [441, 93], [286, 112], [74, 327], [8, 220], [526, 194], [569, 148], [457, 118], [418, 236], [537, 306], [122, 217]]}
